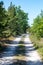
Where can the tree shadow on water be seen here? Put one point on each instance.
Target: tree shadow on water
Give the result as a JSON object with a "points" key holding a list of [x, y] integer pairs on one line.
{"points": [[9, 50], [24, 62], [20, 50], [19, 62]]}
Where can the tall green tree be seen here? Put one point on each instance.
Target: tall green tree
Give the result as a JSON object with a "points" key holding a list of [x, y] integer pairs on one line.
{"points": [[18, 19], [14, 21], [37, 28], [3, 18]]}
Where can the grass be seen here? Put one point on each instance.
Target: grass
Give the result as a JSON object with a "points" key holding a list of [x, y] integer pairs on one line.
{"points": [[40, 50], [38, 44], [9, 38], [20, 57]]}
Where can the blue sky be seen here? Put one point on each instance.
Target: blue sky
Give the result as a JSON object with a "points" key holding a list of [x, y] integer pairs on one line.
{"points": [[32, 7]]}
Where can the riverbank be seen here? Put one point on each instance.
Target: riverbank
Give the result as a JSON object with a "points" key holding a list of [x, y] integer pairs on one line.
{"points": [[3, 43], [38, 44]]}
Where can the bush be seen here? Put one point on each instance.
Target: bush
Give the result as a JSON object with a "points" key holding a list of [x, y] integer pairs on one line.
{"points": [[38, 45]]}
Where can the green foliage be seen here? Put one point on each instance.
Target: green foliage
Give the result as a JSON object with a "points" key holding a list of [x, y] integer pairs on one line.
{"points": [[14, 21], [37, 27], [3, 18], [18, 19], [38, 44], [37, 33]]}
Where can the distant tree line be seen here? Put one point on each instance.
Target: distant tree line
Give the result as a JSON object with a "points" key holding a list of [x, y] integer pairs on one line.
{"points": [[13, 21], [37, 27]]}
